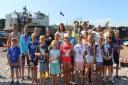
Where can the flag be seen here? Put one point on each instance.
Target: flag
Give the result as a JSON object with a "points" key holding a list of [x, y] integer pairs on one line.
{"points": [[61, 13]]}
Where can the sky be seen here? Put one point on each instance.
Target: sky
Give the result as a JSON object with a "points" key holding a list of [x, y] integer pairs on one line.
{"points": [[96, 11]]}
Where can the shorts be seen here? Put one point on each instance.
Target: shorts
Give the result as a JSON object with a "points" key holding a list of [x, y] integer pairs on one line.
{"points": [[66, 59], [34, 62], [72, 60], [79, 66], [54, 68], [14, 67], [43, 67], [23, 59], [99, 63], [107, 62], [116, 58]]}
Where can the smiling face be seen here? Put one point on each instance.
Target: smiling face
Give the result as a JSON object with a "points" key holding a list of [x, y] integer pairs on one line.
{"points": [[116, 34], [42, 39], [54, 44], [80, 39], [90, 39], [100, 40]]}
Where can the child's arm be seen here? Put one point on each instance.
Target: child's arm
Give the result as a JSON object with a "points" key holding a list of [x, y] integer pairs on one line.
{"points": [[19, 60], [37, 53]]}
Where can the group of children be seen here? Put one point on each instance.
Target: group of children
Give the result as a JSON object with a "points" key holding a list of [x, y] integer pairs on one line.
{"points": [[71, 56]]}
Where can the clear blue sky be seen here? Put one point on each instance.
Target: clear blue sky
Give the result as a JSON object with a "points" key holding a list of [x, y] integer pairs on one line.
{"points": [[96, 11]]}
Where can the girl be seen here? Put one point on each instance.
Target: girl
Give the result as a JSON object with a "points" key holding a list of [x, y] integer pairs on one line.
{"points": [[117, 44], [25, 39], [79, 51], [90, 57], [107, 59], [33, 60], [66, 52], [42, 53], [54, 62], [99, 59], [61, 32]]}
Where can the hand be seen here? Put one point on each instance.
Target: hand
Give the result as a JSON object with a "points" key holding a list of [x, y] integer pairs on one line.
{"points": [[50, 59], [106, 58], [109, 58], [39, 54]]}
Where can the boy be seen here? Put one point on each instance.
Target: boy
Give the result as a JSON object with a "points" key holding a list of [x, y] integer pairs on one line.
{"points": [[42, 53], [33, 59], [14, 59]]}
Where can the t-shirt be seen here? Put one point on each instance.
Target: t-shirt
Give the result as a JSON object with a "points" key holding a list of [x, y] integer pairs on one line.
{"points": [[73, 40], [89, 53], [117, 43], [32, 49], [49, 39], [99, 53], [14, 53], [24, 41], [54, 53], [107, 51], [79, 50], [61, 36], [43, 49]]}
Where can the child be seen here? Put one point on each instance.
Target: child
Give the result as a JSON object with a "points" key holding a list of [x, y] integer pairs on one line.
{"points": [[25, 39], [14, 59], [79, 51], [42, 53], [33, 60], [54, 56], [117, 43], [99, 59], [90, 56], [107, 59], [66, 53]]}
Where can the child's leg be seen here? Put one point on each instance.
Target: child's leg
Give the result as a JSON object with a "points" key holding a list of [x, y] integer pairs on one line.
{"points": [[65, 73], [12, 73], [69, 65], [81, 65], [22, 66], [54, 79], [19, 69], [32, 73], [110, 70], [28, 63], [35, 73], [87, 73], [82, 77], [17, 74], [105, 72], [92, 72], [117, 68], [42, 77]]}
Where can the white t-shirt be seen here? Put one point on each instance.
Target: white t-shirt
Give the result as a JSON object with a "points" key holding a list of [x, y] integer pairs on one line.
{"points": [[61, 34], [54, 53], [99, 53], [79, 50]]}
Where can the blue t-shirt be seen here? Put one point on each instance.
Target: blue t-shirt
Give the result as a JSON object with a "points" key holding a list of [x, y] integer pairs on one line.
{"points": [[73, 40], [32, 49], [14, 53], [54, 53], [24, 41]]}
